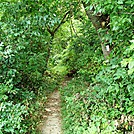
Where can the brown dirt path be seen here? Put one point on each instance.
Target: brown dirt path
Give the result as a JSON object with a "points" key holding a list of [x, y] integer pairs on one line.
{"points": [[52, 124]]}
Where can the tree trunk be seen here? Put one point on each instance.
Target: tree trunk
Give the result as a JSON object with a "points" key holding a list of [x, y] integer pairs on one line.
{"points": [[52, 33], [98, 21]]}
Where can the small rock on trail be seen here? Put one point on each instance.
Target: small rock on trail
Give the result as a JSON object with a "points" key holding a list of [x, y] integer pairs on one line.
{"points": [[52, 125]]}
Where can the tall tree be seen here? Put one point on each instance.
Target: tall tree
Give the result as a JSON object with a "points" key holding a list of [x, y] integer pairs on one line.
{"points": [[99, 20]]}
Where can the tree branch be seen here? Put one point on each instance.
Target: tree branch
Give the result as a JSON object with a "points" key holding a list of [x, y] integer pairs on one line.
{"points": [[62, 21], [52, 32]]}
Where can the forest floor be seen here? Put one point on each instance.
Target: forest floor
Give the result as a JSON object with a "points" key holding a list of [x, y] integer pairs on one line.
{"points": [[52, 121], [52, 116]]}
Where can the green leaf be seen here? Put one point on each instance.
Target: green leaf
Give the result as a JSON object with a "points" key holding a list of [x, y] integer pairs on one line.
{"points": [[130, 71], [131, 63], [124, 62]]}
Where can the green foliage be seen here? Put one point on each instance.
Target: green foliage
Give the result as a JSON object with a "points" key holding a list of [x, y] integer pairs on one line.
{"points": [[100, 100], [24, 43], [129, 58], [12, 118], [106, 106], [41, 41]]}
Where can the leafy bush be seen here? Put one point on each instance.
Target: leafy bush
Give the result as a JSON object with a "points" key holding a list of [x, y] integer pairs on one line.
{"points": [[35, 57], [103, 104], [23, 61], [101, 99], [12, 118]]}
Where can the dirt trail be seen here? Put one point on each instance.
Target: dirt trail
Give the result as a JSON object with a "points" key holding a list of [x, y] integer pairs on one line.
{"points": [[52, 117], [52, 125]]}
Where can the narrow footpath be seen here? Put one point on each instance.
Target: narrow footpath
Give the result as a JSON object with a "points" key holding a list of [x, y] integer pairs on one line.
{"points": [[52, 124]]}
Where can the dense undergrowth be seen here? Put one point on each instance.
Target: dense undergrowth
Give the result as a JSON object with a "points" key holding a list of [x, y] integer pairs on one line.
{"points": [[100, 97], [23, 81], [101, 100], [43, 41]]}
